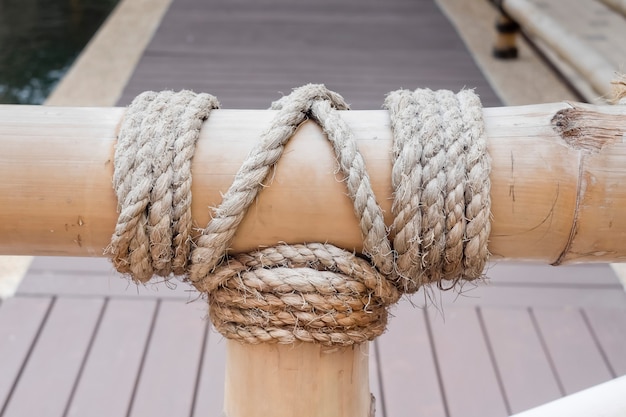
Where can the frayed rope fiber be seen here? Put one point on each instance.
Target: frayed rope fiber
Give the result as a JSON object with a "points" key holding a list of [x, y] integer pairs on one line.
{"points": [[311, 292]]}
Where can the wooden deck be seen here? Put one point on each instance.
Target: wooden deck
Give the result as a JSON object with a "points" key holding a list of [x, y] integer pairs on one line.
{"points": [[78, 340]]}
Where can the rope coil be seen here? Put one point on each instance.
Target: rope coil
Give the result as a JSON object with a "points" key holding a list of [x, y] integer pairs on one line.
{"points": [[316, 292], [311, 293]]}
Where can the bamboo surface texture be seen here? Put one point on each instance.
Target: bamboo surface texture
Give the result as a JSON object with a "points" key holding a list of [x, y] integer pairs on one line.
{"points": [[557, 180]]}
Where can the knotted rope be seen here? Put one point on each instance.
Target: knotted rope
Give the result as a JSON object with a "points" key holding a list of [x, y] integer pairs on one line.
{"points": [[315, 292]]}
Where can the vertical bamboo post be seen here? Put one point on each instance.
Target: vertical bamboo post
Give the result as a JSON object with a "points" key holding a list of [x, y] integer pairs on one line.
{"points": [[303, 379]]}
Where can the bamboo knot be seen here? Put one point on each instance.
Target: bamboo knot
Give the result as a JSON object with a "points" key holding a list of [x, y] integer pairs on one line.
{"points": [[310, 292]]}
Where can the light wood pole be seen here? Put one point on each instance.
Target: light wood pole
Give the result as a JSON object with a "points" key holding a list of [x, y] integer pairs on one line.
{"points": [[304, 380], [558, 194]]}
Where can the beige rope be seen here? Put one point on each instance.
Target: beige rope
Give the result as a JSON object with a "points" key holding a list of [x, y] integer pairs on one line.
{"points": [[315, 292], [441, 180], [319, 104], [152, 181], [619, 89], [312, 293]]}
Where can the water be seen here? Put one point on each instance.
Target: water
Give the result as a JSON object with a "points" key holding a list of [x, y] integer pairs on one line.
{"points": [[39, 41]]}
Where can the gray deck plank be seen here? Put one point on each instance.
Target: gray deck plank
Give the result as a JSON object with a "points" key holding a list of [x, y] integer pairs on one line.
{"points": [[576, 358], [47, 381], [467, 372], [210, 389], [409, 373], [168, 377], [106, 384], [524, 368], [92, 284], [609, 327], [20, 321], [311, 32]]}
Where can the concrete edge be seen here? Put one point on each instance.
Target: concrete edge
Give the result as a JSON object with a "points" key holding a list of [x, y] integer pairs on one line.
{"points": [[101, 71]]}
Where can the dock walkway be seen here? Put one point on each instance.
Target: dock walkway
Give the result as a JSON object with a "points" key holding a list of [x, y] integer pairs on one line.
{"points": [[78, 340]]}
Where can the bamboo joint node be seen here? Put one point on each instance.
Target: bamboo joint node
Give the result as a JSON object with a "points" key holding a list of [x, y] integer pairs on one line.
{"points": [[311, 292]]}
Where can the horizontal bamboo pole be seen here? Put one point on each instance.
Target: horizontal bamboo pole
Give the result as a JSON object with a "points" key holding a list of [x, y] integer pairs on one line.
{"points": [[557, 196]]}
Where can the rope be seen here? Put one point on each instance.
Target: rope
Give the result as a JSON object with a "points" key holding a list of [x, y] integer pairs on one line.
{"points": [[311, 293], [440, 176], [152, 181], [315, 292], [619, 89]]}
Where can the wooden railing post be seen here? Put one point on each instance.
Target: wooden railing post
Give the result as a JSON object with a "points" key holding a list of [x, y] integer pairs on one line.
{"points": [[305, 380]]}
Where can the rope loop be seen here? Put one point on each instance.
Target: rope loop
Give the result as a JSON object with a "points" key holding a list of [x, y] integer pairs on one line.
{"points": [[441, 185], [310, 292]]}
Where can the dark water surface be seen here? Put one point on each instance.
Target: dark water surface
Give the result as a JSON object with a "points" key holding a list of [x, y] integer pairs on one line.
{"points": [[39, 40]]}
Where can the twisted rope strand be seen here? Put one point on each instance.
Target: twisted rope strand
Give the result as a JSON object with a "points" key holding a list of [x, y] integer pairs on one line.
{"points": [[406, 181], [141, 178], [441, 181], [370, 214], [433, 162], [478, 188], [152, 181], [125, 161], [317, 290]]}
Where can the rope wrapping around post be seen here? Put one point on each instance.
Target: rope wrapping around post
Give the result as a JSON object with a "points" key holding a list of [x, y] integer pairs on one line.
{"points": [[315, 292], [556, 167]]}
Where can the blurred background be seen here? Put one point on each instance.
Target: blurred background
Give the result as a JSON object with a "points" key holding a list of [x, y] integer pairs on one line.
{"points": [[77, 340]]}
